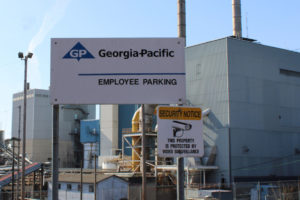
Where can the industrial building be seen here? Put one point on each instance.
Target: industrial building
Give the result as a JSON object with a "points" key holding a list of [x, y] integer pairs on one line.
{"points": [[252, 90], [39, 127], [250, 129]]}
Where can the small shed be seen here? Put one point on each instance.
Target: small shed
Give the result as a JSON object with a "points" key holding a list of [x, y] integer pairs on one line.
{"points": [[108, 187]]}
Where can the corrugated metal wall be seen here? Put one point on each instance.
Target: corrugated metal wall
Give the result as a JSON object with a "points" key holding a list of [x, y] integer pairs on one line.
{"points": [[206, 70], [260, 115], [264, 110]]}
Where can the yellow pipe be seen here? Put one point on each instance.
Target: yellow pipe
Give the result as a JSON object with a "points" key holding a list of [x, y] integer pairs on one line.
{"points": [[135, 121], [135, 140]]}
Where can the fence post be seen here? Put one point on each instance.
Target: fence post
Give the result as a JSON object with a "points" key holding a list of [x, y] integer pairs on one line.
{"points": [[280, 190], [234, 191], [258, 184], [298, 190]]}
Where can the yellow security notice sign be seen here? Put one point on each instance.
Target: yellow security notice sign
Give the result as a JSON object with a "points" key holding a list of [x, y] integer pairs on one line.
{"points": [[180, 113], [180, 132]]}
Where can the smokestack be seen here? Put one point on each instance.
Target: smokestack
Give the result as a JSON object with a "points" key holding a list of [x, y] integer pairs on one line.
{"points": [[181, 19], [237, 18]]}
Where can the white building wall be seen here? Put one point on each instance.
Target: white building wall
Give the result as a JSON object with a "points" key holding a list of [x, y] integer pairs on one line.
{"points": [[64, 194], [112, 188], [108, 129]]}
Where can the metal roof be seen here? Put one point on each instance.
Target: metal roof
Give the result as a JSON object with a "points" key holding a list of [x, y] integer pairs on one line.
{"points": [[86, 178]]}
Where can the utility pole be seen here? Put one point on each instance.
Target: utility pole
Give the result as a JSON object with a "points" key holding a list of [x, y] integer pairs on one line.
{"points": [[41, 180], [21, 56], [24, 132], [13, 170], [81, 166], [95, 177], [180, 160], [18, 157]]}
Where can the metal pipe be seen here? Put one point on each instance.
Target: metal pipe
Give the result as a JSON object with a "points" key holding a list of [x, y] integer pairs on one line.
{"points": [[205, 112], [135, 139], [237, 18], [24, 130], [55, 146]]}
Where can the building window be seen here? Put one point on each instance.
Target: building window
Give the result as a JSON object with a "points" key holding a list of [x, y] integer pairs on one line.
{"points": [[289, 72], [91, 188], [59, 186], [78, 187], [69, 186]]}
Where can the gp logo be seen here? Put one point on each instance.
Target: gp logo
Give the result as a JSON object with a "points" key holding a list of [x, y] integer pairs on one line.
{"points": [[78, 52]]}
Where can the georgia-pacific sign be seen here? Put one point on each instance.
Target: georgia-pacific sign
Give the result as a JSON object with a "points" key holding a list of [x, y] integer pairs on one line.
{"points": [[117, 71]]}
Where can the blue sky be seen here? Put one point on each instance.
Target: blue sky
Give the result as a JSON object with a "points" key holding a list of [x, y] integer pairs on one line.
{"points": [[29, 25]]}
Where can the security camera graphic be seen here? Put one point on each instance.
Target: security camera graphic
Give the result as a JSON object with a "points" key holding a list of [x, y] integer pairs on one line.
{"points": [[179, 128]]}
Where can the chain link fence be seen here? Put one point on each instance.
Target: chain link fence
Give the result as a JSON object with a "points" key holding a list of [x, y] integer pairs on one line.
{"points": [[271, 190], [277, 190]]}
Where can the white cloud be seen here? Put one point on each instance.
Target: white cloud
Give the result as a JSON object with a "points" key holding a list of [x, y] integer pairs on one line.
{"points": [[51, 18]]}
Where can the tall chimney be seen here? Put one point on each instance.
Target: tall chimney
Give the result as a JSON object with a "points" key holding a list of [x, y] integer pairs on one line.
{"points": [[181, 19], [236, 18]]}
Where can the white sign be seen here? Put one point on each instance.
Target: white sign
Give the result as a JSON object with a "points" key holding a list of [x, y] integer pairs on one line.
{"points": [[117, 71], [180, 132]]}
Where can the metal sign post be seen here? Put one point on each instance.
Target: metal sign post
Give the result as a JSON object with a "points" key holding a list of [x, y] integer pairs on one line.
{"points": [[181, 34], [143, 154], [55, 144]]}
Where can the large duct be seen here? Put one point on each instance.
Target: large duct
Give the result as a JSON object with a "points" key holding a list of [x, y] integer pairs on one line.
{"points": [[237, 18], [136, 142]]}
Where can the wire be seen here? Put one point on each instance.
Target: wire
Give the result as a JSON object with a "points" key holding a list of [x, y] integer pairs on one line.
{"points": [[260, 165]]}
